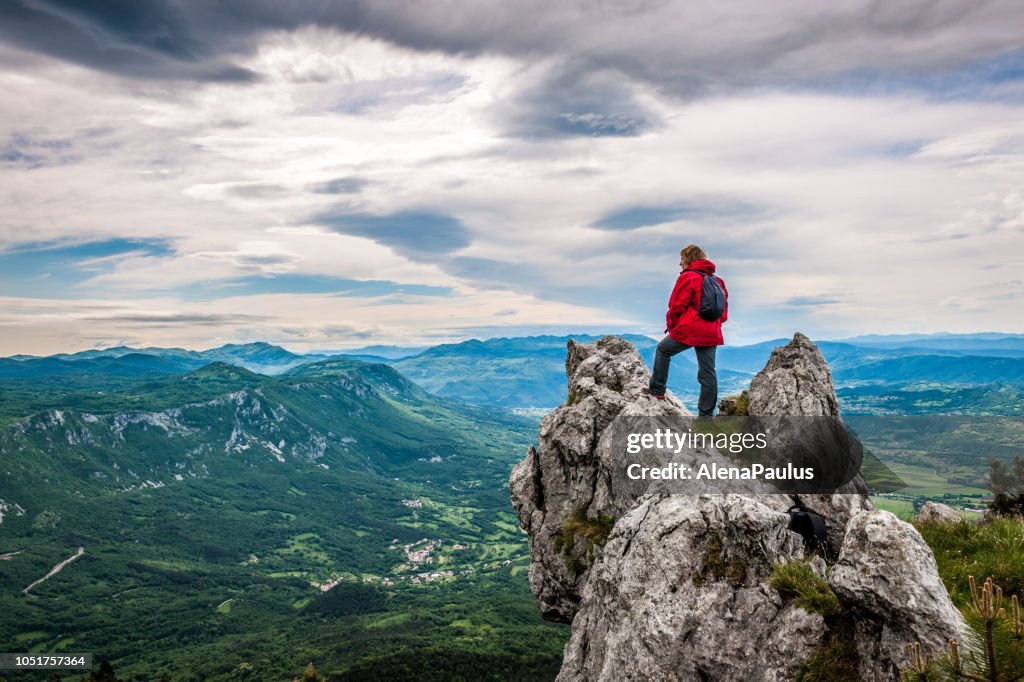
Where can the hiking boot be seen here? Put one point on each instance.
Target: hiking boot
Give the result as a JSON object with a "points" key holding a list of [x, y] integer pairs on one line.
{"points": [[647, 392]]}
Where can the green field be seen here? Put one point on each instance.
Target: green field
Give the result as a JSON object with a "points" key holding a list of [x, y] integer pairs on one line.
{"points": [[924, 481], [900, 507]]}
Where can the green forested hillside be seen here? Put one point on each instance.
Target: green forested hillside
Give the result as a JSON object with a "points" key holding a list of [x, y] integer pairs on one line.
{"points": [[213, 507]]}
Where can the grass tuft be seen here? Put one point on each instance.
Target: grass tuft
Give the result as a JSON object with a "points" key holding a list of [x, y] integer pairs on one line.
{"points": [[992, 548], [809, 591], [835, 659]]}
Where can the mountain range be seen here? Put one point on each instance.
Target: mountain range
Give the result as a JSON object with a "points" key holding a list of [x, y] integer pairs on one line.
{"points": [[528, 372]]}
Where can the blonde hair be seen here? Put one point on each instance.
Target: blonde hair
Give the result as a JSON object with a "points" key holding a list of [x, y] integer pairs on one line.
{"points": [[692, 253]]}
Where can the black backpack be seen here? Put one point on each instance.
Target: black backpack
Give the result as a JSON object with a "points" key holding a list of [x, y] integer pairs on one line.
{"points": [[712, 297], [809, 525]]}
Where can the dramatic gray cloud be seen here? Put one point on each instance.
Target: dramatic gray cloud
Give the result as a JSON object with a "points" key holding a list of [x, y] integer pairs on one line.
{"points": [[339, 186], [308, 172], [146, 320], [572, 100], [685, 48], [419, 234], [708, 209], [137, 39]]}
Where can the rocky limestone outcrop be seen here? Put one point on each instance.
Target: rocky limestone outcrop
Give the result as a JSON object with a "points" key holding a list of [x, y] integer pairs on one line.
{"points": [[679, 590], [796, 381], [679, 593], [569, 471]]}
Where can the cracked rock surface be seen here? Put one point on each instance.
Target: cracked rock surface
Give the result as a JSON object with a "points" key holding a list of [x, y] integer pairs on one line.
{"points": [[679, 590]]}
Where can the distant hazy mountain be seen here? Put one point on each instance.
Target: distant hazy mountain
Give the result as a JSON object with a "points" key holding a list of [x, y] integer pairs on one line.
{"points": [[389, 352], [528, 371], [520, 372], [115, 364], [114, 351], [968, 370], [840, 354], [259, 357], [903, 338], [947, 341]]}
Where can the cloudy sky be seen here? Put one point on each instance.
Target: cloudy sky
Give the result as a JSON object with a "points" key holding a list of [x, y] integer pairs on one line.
{"points": [[330, 175]]}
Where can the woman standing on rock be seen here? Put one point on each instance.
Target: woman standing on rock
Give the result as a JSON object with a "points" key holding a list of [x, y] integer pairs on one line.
{"points": [[698, 306]]}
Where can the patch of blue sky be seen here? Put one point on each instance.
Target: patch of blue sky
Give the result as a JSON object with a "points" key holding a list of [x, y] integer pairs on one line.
{"points": [[53, 269], [599, 124], [417, 234], [993, 79]]}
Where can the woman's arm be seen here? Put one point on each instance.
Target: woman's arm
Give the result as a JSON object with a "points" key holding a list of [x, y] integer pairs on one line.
{"points": [[680, 299]]}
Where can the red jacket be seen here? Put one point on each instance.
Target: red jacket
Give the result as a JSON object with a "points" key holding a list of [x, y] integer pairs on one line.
{"points": [[682, 321]]}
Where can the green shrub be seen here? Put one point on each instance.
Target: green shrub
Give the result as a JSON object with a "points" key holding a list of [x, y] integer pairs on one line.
{"points": [[1007, 505], [311, 675], [835, 658], [993, 652], [593, 531], [735, 405], [809, 591], [1006, 481], [1008, 486]]}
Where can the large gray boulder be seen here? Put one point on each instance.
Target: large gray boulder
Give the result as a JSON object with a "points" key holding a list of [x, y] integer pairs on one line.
{"points": [[679, 590], [886, 576], [936, 512]]}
